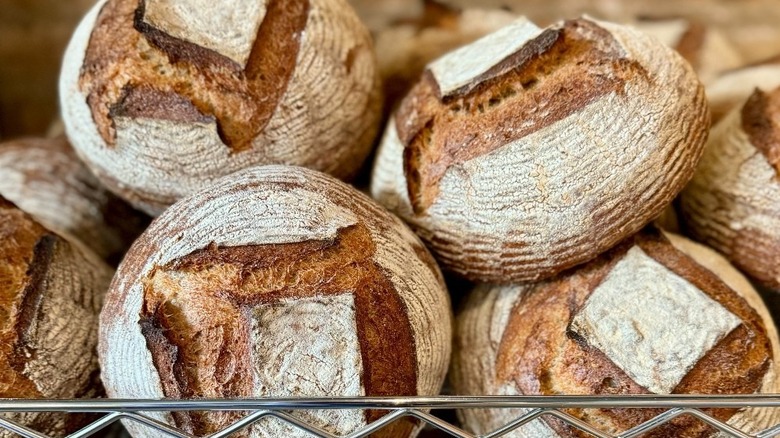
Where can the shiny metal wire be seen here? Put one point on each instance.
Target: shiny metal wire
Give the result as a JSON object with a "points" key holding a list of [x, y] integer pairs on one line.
{"points": [[284, 409]]}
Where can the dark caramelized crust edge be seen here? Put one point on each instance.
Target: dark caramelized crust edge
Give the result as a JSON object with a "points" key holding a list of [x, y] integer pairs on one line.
{"points": [[539, 355], [305, 269]]}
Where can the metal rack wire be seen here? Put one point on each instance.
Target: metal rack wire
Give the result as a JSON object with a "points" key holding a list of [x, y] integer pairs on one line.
{"points": [[285, 410]]}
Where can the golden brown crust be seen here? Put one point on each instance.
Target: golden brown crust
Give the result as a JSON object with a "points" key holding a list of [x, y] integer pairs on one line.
{"points": [[198, 79], [761, 122], [538, 353], [23, 246], [236, 279], [29, 254], [553, 76]]}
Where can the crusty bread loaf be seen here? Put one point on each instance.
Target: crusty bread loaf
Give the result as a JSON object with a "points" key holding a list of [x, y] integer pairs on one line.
{"points": [[733, 201], [161, 98], [45, 178], [50, 295], [277, 281], [531, 151], [657, 314]]}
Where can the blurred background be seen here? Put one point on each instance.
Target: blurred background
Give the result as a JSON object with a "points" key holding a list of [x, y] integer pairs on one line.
{"points": [[34, 33]]}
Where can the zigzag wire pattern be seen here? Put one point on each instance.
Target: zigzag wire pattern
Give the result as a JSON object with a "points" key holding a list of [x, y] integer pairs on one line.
{"points": [[414, 407]]}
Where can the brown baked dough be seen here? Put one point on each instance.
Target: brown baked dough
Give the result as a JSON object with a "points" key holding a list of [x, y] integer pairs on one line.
{"points": [[733, 201], [161, 98], [45, 178], [533, 150], [657, 314], [277, 281], [50, 295]]}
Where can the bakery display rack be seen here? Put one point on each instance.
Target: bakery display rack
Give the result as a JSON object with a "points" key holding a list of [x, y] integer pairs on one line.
{"points": [[528, 408]]}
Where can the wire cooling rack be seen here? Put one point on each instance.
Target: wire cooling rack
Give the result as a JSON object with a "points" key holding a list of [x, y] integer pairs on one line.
{"points": [[397, 407]]}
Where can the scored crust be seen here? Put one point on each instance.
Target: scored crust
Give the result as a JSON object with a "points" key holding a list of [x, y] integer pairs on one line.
{"points": [[190, 298], [532, 350], [541, 142], [732, 201], [50, 295], [207, 86], [144, 108], [578, 45]]}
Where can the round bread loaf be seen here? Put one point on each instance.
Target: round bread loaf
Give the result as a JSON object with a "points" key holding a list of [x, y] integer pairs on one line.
{"points": [[531, 150], [733, 201], [45, 178], [50, 295], [276, 282], [162, 97], [658, 314]]}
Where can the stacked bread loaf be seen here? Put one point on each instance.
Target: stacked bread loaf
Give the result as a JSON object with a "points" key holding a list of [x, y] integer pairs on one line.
{"points": [[51, 291], [538, 163]]}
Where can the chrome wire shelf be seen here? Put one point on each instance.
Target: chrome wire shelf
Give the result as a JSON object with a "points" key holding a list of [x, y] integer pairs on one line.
{"points": [[398, 407]]}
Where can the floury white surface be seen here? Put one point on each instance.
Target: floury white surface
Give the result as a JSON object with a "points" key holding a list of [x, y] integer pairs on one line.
{"points": [[229, 30], [458, 68], [622, 318], [567, 191], [325, 119], [275, 205], [486, 314]]}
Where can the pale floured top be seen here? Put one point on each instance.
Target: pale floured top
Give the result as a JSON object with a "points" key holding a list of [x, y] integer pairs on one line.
{"points": [[228, 28], [572, 176], [652, 323], [481, 324], [275, 205], [155, 162], [457, 69], [292, 335]]}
